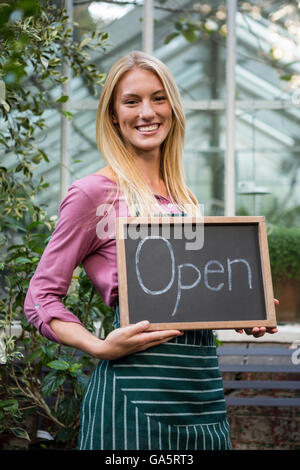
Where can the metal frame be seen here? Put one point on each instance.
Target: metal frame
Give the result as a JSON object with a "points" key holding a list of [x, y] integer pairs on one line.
{"points": [[148, 26], [230, 105], [66, 130], [229, 176], [206, 105]]}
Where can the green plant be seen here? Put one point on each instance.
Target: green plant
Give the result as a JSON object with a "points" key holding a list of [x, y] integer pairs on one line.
{"points": [[39, 376], [284, 249], [37, 368]]}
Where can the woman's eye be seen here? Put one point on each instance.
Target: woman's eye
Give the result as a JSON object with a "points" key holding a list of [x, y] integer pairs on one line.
{"points": [[129, 101], [160, 98]]}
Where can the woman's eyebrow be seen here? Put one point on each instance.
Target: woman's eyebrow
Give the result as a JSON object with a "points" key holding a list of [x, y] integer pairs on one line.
{"points": [[135, 95], [129, 95], [159, 91]]}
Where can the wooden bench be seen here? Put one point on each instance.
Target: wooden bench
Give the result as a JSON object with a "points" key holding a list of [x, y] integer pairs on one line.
{"points": [[239, 363]]}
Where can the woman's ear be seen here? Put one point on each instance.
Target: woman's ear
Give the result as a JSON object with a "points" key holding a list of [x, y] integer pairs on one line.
{"points": [[114, 119]]}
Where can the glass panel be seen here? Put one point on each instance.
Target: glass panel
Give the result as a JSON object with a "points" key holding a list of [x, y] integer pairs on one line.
{"points": [[268, 68], [196, 55], [49, 140], [267, 140], [204, 158], [268, 50], [85, 156], [267, 165]]}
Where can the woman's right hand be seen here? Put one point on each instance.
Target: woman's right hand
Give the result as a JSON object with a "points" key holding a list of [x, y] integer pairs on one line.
{"points": [[131, 339]]}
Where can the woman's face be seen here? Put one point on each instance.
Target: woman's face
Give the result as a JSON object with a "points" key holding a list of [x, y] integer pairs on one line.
{"points": [[142, 110]]}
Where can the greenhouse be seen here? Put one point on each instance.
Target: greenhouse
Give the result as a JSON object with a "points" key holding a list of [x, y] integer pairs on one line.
{"points": [[237, 68]]}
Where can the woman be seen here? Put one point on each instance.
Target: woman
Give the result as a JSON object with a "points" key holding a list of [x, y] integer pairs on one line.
{"points": [[150, 390]]}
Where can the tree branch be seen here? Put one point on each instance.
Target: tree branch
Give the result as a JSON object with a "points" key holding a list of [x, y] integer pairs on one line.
{"points": [[37, 399]]}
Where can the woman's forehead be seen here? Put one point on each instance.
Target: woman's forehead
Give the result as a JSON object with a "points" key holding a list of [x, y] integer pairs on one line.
{"points": [[138, 81]]}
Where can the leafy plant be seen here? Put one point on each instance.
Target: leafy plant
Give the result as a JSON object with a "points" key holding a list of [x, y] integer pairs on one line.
{"points": [[38, 370], [37, 376], [283, 243], [284, 248]]}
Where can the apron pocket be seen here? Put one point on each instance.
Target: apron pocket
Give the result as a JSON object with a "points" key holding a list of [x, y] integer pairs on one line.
{"points": [[173, 383]]}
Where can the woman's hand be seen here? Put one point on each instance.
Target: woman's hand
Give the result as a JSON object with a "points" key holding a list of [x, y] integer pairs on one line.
{"points": [[259, 331], [131, 339]]}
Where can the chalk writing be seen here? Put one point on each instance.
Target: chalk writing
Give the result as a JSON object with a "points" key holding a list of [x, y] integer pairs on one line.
{"points": [[137, 262], [211, 268]]}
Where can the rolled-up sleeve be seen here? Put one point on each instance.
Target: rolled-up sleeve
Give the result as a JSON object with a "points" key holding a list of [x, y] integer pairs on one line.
{"points": [[73, 240]]}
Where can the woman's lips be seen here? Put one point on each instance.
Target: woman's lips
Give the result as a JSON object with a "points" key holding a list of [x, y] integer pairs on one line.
{"points": [[148, 129]]}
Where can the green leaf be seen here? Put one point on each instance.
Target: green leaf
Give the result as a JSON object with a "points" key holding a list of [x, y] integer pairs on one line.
{"points": [[22, 260], [190, 35], [58, 365], [286, 77], [68, 410], [67, 114], [34, 224], [75, 367], [45, 62], [52, 381], [170, 37], [34, 355], [45, 157], [63, 79], [65, 434], [5, 105], [2, 90], [85, 42], [21, 433], [37, 159], [81, 384], [9, 405], [62, 99], [50, 350], [179, 25]]}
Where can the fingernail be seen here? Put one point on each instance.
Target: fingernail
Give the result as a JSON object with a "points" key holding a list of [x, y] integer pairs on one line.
{"points": [[144, 323]]}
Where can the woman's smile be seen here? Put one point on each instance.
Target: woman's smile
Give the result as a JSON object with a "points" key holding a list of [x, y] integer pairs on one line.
{"points": [[149, 129]]}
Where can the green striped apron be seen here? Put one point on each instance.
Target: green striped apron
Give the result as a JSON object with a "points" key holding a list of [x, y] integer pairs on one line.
{"points": [[169, 397]]}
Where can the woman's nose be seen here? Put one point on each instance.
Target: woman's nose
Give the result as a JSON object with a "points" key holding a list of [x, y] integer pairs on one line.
{"points": [[146, 111]]}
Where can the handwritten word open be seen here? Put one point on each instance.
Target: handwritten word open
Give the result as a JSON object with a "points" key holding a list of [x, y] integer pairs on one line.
{"points": [[211, 267]]}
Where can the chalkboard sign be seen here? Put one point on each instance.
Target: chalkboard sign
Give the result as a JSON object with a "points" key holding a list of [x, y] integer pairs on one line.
{"points": [[187, 273]]}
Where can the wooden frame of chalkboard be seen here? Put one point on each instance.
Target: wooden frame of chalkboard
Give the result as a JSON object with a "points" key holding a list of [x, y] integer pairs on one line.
{"points": [[226, 283]]}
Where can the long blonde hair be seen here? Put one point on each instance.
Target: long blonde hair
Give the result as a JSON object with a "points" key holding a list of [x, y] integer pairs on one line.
{"points": [[137, 193]]}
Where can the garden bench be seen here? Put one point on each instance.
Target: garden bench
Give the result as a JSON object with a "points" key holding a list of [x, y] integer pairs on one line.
{"points": [[260, 375]]}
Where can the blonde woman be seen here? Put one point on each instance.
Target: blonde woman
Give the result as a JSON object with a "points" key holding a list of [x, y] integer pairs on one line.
{"points": [[150, 390]]}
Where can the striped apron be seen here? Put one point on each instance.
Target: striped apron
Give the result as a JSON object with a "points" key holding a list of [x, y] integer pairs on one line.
{"points": [[169, 397]]}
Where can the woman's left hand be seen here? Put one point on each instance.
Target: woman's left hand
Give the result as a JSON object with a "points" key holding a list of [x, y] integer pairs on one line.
{"points": [[258, 331]]}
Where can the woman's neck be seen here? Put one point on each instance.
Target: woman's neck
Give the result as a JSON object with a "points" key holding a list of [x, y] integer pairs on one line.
{"points": [[150, 170]]}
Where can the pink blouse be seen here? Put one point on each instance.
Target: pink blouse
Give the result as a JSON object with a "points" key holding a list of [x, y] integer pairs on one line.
{"points": [[83, 234]]}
